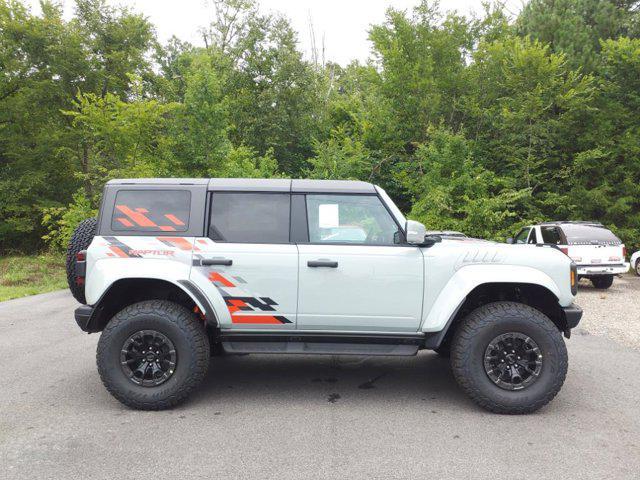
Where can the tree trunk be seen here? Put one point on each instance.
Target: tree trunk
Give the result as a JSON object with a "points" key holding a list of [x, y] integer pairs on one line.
{"points": [[84, 164]]}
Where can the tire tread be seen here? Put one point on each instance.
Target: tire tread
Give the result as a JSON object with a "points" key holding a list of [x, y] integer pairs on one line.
{"points": [[80, 240], [483, 317], [192, 329]]}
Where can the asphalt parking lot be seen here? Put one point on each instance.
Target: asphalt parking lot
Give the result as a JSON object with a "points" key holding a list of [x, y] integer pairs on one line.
{"points": [[294, 417]]}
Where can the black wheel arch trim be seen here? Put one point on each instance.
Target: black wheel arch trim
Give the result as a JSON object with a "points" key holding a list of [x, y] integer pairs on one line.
{"points": [[201, 298], [571, 316], [87, 316]]}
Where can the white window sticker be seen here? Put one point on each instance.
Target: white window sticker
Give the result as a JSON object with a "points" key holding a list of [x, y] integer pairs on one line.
{"points": [[328, 215]]}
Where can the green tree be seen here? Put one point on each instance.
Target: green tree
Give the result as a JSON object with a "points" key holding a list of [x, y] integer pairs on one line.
{"points": [[525, 110], [576, 27], [423, 60], [606, 183], [273, 94], [45, 62], [451, 189]]}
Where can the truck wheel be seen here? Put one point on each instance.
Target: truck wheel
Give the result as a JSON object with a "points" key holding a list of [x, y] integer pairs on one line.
{"points": [[153, 354], [638, 267], [509, 358], [80, 240], [444, 350], [602, 282]]}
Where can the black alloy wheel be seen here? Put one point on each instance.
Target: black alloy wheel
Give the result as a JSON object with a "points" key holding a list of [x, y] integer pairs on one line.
{"points": [[513, 361], [153, 354], [148, 358]]}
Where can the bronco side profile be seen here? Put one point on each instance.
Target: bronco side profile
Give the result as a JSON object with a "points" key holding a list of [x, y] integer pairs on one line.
{"points": [[173, 270]]}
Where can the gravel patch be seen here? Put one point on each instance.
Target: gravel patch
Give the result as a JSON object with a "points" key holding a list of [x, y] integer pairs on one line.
{"points": [[613, 313]]}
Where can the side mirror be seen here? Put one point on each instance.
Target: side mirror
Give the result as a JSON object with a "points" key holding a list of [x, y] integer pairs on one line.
{"points": [[415, 232], [510, 241], [431, 240]]}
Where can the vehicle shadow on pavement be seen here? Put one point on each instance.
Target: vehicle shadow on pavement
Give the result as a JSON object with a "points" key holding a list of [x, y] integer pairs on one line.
{"points": [[297, 379]]}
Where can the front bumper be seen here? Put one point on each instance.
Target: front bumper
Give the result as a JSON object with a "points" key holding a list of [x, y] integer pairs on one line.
{"points": [[572, 315], [595, 269], [83, 316]]}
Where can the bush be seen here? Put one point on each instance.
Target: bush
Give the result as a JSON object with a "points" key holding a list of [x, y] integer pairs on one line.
{"points": [[60, 222]]}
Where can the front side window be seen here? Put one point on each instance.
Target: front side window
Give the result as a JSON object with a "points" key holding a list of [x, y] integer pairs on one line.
{"points": [[522, 235], [151, 211], [250, 217], [533, 238], [356, 219]]}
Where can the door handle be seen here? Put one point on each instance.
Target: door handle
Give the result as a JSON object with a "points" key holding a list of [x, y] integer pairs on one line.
{"points": [[322, 263], [205, 262]]}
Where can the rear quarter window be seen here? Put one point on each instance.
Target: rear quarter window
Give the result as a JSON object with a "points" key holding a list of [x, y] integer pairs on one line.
{"points": [[151, 211]]}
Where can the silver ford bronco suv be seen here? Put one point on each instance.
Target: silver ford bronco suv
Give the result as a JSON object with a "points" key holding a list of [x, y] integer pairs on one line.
{"points": [[175, 270]]}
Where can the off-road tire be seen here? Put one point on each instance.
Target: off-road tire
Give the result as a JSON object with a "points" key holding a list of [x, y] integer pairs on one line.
{"points": [[443, 350], [186, 332], [602, 282], [479, 328], [80, 240]]}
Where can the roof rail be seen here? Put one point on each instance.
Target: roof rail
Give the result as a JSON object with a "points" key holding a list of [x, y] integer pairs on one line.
{"points": [[574, 222]]}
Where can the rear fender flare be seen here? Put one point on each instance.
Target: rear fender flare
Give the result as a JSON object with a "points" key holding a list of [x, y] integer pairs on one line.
{"points": [[107, 272]]}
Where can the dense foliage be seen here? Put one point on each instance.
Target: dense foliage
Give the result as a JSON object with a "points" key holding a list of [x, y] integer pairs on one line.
{"points": [[475, 124]]}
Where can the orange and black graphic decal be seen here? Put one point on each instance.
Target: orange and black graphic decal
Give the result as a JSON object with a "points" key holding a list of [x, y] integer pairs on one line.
{"points": [[238, 305], [138, 218], [178, 242], [151, 211], [119, 249]]}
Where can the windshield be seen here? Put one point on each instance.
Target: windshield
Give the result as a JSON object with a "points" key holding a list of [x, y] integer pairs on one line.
{"points": [[395, 211], [588, 234]]}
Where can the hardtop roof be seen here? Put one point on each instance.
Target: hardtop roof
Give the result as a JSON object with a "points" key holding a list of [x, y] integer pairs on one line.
{"points": [[258, 184]]}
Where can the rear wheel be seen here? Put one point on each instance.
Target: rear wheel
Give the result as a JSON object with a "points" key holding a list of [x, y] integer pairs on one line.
{"points": [[509, 358], [153, 354], [602, 281], [638, 267], [80, 240]]}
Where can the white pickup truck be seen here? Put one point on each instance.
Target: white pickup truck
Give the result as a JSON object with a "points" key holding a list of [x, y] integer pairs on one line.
{"points": [[174, 269], [598, 253]]}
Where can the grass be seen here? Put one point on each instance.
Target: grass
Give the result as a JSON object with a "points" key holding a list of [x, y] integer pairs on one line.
{"points": [[21, 276]]}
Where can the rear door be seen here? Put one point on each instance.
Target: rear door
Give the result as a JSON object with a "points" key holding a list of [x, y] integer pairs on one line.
{"points": [[247, 259], [355, 272]]}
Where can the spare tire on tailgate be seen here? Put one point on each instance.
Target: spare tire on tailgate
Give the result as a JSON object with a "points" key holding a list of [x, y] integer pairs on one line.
{"points": [[80, 240]]}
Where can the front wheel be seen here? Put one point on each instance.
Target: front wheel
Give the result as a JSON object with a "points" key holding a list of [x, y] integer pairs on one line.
{"points": [[153, 354], [509, 358], [602, 282], [638, 267]]}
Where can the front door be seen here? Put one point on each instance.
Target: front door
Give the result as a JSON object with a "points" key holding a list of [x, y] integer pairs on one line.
{"points": [[248, 260], [355, 274]]}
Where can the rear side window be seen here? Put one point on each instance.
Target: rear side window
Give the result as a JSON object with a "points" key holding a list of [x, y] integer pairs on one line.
{"points": [[250, 217], [151, 211], [551, 235]]}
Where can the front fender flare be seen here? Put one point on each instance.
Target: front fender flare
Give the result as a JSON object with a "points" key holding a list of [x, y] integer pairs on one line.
{"points": [[467, 278]]}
